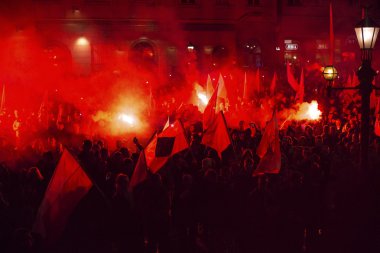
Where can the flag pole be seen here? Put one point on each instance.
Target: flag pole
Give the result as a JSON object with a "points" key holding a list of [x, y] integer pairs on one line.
{"points": [[229, 136]]}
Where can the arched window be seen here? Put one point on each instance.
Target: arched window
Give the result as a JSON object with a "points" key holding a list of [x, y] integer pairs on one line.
{"points": [[143, 54], [220, 55], [58, 56], [251, 54]]}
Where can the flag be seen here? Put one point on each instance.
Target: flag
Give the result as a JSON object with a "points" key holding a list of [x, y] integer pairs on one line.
{"points": [[245, 87], [355, 80], [216, 135], [269, 149], [164, 145], [301, 89], [257, 83], [151, 101], [167, 124], [222, 91], [349, 81], [331, 35], [377, 115], [273, 84], [2, 104], [67, 187], [210, 111], [140, 173], [209, 87], [291, 80]]}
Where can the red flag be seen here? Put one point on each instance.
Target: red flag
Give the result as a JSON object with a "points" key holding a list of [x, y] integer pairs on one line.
{"points": [[140, 172], [377, 122], [210, 111], [67, 187], [209, 87], [164, 145], [2, 103], [269, 149], [257, 84], [216, 135], [245, 87], [291, 79], [301, 90], [222, 91], [273, 84], [349, 81], [331, 35]]}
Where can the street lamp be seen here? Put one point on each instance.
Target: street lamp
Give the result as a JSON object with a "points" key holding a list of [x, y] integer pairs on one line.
{"points": [[329, 74], [366, 32]]}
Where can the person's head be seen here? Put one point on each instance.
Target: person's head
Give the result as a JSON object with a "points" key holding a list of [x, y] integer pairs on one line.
{"points": [[125, 152], [235, 135], [104, 153], [87, 145], [241, 125], [121, 183], [318, 140], [248, 164], [309, 131]]}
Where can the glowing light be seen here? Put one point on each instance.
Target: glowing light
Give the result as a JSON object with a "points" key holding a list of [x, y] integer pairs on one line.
{"points": [[129, 119], [82, 41], [202, 97], [313, 112], [307, 111]]}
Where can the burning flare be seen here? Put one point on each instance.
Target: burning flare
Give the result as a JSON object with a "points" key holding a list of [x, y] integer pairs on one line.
{"points": [[313, 112], [202, 97], [129, 119]]}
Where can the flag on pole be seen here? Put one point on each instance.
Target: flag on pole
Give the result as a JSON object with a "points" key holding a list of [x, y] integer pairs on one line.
{"points": [[222, 91], [257, 83], [209, 87], [291, 79], [164, 145], [210, 111], [273, 84], [167, 124], [140, 173], [349, 81], [301, 90], [331, 35], [269, 149], [377, 115], [2, 104], [245, 87], [67, 187], [216, 135]]}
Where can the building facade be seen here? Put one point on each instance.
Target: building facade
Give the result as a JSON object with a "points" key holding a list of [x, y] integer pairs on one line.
{"points": [[177, 35]]}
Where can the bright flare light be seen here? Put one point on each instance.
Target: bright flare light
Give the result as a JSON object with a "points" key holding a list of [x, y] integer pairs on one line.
{"points": [[202, 97], [313, 112], [129, 119], [82, 41]]}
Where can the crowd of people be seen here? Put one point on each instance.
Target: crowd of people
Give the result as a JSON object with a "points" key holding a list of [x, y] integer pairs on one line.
{"points": [[198, 202]]}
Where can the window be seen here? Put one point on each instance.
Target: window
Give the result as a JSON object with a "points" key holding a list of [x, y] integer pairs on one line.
{"points": [[294, 2], [187, 1], [222, 2], [251, 55], [253, 2], [143, 55]]}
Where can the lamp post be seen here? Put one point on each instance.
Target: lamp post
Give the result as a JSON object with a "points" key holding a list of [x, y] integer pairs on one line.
{"points": [[329, 74], [366, 32]]}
